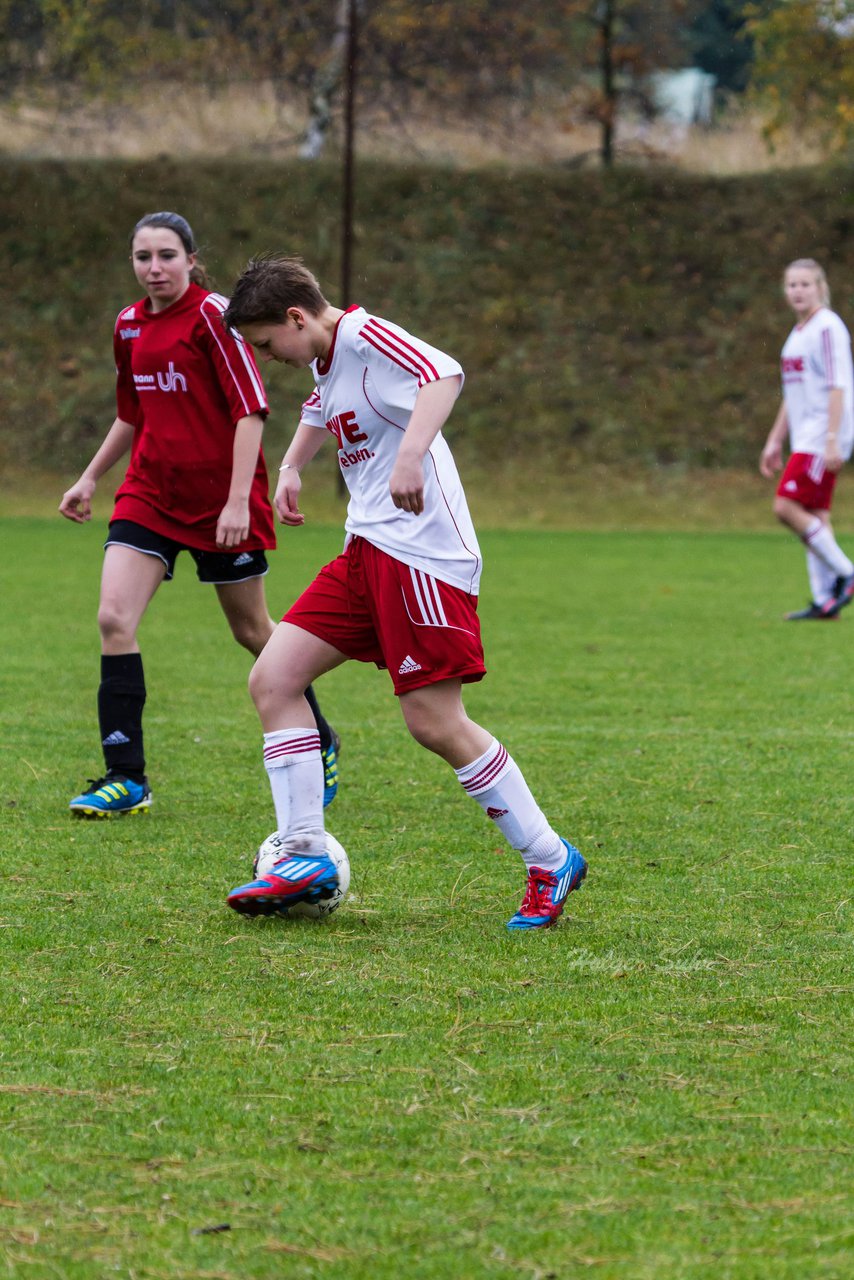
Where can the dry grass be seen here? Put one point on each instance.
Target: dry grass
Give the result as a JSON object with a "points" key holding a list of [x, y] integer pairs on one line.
{"points": [[239, 119]]}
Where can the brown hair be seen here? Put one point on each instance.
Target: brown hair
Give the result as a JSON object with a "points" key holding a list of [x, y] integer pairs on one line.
{"points": [[184, 232], [810, 264], [268, 286]]}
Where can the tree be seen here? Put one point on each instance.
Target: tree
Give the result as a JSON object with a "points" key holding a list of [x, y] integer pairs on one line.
{"points": [[462, 58], [804, 66], [626, 40], [721, 44]]}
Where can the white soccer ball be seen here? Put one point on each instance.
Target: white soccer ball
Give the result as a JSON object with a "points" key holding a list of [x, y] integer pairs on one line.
{"points": [[273, 850]]}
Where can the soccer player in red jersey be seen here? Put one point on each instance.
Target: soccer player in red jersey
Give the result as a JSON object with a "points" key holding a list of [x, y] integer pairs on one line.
{"points": [[403, 595], [190, 408], [817, 416]]}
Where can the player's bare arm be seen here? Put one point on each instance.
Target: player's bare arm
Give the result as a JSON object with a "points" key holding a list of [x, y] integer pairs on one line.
{"points": [[76, 502], [305, 444], [433, 406], [232, 527], [772, 455], [833, 459]]}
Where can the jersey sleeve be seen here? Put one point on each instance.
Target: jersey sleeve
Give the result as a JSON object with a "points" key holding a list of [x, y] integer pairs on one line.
{"points": [[127, 401], [400, 363], [835, 349], [233, 361], [310, 414]]}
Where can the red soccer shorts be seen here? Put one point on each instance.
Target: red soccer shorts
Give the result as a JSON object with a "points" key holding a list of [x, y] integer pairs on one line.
{"points": [[378, 609], [805, 480]]}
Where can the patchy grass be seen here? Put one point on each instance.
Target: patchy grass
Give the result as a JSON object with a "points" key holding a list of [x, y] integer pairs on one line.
{"points": [[658, 1087]]}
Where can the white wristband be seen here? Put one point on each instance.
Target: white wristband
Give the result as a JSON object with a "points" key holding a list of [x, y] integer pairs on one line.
{"points": [[288, 466]]}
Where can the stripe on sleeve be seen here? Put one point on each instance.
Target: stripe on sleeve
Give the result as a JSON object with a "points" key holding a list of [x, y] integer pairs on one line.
{"points": [[240, 346], [403, 353], [827, 352]]}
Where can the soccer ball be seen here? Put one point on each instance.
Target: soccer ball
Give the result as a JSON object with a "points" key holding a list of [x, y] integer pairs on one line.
{"points": [[273, 850]]}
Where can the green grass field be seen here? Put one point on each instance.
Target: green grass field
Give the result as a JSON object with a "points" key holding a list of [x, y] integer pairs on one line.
{"points": [[658, 1089]]}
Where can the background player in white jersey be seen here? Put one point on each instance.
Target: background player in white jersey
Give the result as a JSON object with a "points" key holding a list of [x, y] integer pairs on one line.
{"points": [[402, 595], [817, 415]]}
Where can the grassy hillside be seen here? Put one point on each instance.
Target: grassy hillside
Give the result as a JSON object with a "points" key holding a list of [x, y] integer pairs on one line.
{"points": [[608, 318]]}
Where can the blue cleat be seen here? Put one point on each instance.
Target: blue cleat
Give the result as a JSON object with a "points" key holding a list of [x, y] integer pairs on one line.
{"points": [[547, 891], [112, 795], [330, 770], [294, 879]]}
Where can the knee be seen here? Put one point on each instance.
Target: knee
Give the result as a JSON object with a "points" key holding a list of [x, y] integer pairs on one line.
{"points": [[427, 735], [260, 684], [251, 633], [783, 511], [429, 730], [270, 686], [115, 624]]}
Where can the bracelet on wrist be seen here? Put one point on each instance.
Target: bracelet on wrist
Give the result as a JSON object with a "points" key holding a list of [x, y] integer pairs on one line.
{"points": [[288, 466]]}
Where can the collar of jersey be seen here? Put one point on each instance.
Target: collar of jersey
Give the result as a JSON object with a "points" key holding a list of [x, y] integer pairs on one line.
{"points": [[323, 366]]}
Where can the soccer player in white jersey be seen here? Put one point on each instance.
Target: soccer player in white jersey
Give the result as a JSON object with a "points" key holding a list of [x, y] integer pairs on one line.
{"points": [[402, 595], [817, 415]]}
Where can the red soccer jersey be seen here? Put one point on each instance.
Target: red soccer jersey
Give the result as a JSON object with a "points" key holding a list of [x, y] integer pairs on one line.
{"points": [[184, 380]]}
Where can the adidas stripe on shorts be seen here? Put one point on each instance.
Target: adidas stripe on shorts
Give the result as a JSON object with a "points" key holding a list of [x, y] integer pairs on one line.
{"points": [[374, 608]]}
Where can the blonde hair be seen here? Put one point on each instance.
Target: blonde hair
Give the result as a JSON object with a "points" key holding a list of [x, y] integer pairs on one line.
{"points": [[810, 264]]}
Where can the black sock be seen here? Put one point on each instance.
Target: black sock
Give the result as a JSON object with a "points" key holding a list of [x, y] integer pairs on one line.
{"points": [[319, 719], [121, 697]]}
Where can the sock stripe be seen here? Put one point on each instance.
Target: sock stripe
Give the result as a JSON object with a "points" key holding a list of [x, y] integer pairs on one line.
{"points": [[278, 752], [488, 774]]}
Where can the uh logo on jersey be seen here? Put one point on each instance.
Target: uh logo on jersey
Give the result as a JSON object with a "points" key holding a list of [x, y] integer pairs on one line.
{"points": [[166, 380], [346, 430]]}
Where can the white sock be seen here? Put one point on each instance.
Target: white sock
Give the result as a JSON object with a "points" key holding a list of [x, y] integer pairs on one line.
{"points": [[822, 579], [495, 781], [295, 768], [820, 541]]}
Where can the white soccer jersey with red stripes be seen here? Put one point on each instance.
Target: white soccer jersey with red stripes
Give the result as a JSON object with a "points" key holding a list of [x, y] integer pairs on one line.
{"points": [[815, 359], [365, 393]]}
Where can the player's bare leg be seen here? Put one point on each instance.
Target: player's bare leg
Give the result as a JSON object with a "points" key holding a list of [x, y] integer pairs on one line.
{"points": [[129, 580], [290, 661], [437, 719], [245, 607]]}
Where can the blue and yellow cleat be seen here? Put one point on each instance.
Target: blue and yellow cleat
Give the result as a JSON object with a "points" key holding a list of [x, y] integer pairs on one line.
{"points": [[330, 770], [547, 891], [109, 796], [294, 879]]}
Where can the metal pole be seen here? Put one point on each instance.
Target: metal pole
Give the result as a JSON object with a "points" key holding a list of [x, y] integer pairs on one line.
{"points": [[349, 168], [349, 154]]}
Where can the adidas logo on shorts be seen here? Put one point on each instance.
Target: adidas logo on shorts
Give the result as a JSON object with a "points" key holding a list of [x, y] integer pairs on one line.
{"points": [[243, 558], [408, 666]]}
